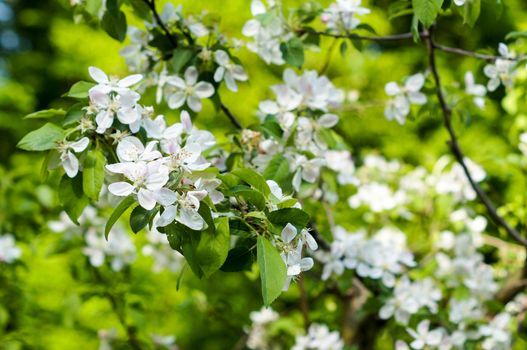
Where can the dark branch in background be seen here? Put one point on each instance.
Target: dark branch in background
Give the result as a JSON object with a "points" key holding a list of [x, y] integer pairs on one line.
{"points": [[458, 153], [394, 37], [231, 116], [152, 5], [408, 36], [482, 56]]}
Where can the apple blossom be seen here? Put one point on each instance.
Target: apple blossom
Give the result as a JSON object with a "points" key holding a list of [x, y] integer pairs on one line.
{"points": [[188, 90]]}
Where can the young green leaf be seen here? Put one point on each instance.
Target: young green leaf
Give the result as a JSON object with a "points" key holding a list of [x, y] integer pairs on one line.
{"points": [[213, 247], [254, 179], [471, 12], [180, 59], [273, 271], [42, 139], [117, 212], [93, 174], [294, 216], [427, 10], [46, 114], [251, 196], [293, 52], [79, 89]]}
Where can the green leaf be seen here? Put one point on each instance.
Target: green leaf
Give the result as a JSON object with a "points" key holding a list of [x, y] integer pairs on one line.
{"points": [[343, 48], [141, 9], [254, 179], [293, 52], [180, 59], [248, 194], [471, 12], [516, 35], [74, 114], [294, 216], [79, 89], [71, 196], [117, 212], [185, 241], [93, 174], [114, 24], [238, 259], [140, 217], [42, 139], [213, 247], [415, 29], [427, 10], [278, 171], [46, 114], [273, 271]]}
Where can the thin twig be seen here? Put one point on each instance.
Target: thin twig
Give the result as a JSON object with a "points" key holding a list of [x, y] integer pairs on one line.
{"points": [[152, 5], [407, 36], [394, 37], [231, 116], [462, 52], [458, 153]]}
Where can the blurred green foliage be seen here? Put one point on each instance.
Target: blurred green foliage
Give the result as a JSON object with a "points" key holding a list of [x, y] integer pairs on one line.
{"points": [[49, 302]]}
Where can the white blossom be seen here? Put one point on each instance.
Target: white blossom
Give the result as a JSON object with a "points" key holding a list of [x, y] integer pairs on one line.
{"points": [[403, 96], [228, 71], [476, 90], [424, 337], [341, 15], [319, 337], [188, 90], [107, 84], [9, 252], [502, 70], [68, 160]]}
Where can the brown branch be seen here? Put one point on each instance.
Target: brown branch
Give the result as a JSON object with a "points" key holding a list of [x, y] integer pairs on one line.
{"points": [[458, 153]]}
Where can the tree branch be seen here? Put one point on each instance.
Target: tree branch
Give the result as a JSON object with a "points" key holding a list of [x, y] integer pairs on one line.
{"points": [[231, 116], [407, 36], [394, 37], [458, 153], [152, 5], [462, 52]]}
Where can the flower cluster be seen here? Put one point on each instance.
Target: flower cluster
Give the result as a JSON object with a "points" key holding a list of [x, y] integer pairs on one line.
{"points": [[319, 337], [383, 257], [403, 97], [300, 112], [258, 337], [291, 245], [267, 30], [341, 15], [502, 71]]}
